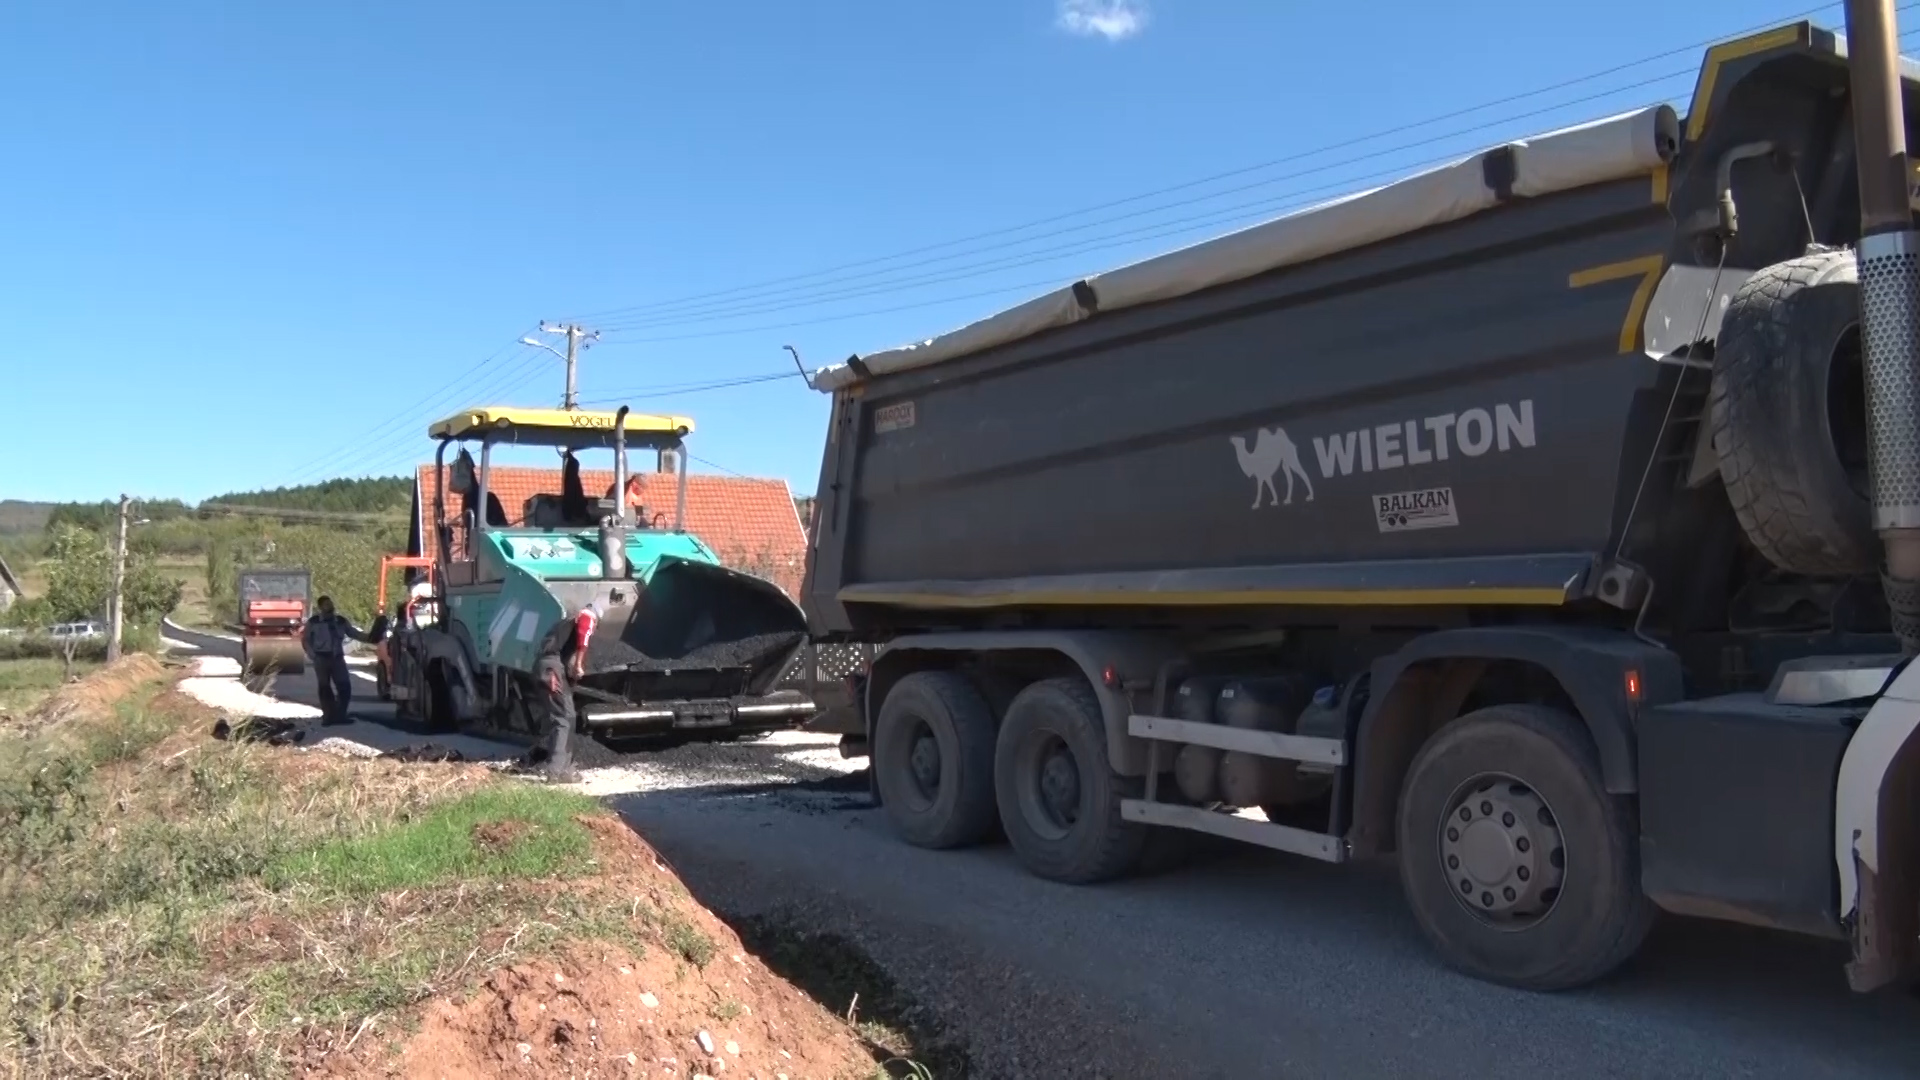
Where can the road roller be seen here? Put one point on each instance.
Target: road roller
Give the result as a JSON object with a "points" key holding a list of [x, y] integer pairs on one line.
{"points": [[273, 609]]}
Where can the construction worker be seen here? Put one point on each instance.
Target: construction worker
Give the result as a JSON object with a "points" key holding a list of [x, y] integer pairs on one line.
{"points": [[557, 666], [325, 643], [634, 509]]}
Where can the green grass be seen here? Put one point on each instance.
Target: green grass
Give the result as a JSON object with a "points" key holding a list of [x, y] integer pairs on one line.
{"points": [[192, 909], [441, 846], [173, 906], [25, 682], [688, 942]]}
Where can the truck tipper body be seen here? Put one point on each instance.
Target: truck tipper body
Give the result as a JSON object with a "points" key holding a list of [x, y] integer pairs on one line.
{"points": [[1515, 517]]}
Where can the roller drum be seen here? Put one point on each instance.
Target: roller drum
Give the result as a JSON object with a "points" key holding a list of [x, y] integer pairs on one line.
{"points": [[258, 656]]}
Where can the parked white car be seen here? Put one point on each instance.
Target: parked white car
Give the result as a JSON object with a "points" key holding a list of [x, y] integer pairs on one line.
{"points": [[85, 630]]}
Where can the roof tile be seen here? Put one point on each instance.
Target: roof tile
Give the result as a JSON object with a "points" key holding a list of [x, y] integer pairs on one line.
{"points": [[750, 523]]}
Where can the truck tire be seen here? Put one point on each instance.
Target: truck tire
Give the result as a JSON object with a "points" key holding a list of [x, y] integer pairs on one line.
{"points": [[1788, 415], [1518, 865], [933, 760], [1059, 797]]}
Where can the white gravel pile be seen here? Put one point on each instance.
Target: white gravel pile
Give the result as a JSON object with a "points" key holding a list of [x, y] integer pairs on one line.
{"points": [[215, 682], [784, 757]]}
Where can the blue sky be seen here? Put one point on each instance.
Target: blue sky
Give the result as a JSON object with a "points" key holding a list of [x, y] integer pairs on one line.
{"points": [[250, 244]]}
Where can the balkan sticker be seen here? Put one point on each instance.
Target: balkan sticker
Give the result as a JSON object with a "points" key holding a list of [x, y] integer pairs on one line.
{"points": [[1405, 511]]}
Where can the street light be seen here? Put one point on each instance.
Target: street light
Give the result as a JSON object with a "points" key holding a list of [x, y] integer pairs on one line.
{"points": [[541, 345]]}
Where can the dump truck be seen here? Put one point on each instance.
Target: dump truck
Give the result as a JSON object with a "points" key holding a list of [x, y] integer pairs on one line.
{"points": [[686, 647], [272, 612], [1545, 520]]}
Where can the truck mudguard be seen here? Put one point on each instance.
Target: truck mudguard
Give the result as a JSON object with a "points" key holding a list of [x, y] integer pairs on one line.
{"points": [[1591, 665], [1132, 657], [1875, 801]]}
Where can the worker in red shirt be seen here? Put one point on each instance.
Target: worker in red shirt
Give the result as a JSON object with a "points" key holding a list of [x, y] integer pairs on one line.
{"points": [[557, 666], [634, 487]]}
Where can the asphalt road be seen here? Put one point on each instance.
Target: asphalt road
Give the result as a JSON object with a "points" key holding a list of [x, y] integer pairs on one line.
{"points": [[1243, 964], [1256, 965]]}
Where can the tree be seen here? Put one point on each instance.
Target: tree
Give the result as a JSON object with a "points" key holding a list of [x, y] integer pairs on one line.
{"points": [[79, 566], [79, 573]]}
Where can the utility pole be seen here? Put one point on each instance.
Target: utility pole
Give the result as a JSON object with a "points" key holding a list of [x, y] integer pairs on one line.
{"points": [[116, 602], [578, 337]]}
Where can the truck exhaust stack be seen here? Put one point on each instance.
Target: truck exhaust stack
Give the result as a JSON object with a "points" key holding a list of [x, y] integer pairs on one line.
{"points": [[1889, 306]]}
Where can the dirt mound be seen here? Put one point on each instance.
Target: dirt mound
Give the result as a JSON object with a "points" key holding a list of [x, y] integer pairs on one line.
{"points": [[681, 997], [94, 694], [610, 1013]]}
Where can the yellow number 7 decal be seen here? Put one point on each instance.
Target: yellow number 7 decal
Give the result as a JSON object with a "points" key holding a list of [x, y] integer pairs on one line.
{"points": [[1648, 269]]}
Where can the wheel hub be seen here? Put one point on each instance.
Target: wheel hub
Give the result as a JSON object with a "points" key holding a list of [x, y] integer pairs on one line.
{"points": [[1060, 786], [1501, 848], [924, 760]]}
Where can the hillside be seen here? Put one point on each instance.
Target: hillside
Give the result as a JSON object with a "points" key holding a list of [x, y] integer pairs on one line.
{"points": [[17, 516], [373, 495]]}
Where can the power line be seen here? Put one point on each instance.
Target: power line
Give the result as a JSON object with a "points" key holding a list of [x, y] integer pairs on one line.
{"points": [[1263, 208], [673, 317], [1201, 181], [408, 428], [722, 468], [405, 415], [641, 393], [1022, 287], [532, 369], [706, 308]]}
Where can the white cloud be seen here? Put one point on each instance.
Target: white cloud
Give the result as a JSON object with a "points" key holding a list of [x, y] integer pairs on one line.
{"points": [[1110, 19]]}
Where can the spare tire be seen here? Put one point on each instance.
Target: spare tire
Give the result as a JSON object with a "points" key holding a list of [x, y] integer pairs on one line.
{"points": [[1789, 420]]}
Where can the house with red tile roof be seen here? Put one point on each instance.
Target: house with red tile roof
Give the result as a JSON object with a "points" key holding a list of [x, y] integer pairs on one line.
{"points": [[752, 524]]}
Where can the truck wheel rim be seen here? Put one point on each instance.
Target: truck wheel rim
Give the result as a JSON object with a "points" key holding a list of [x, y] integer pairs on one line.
{"points": [[1050, 791], [923, 763], [1502, 852]]}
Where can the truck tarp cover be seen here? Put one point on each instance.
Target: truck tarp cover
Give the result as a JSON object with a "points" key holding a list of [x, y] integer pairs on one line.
{"points": [[1630, 144]]}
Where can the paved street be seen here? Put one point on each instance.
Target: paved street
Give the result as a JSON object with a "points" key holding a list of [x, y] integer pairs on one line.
{"points": [[1240, 964]]}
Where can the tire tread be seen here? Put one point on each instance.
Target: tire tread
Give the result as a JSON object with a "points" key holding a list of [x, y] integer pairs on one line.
{"points": [[1771, 492], [1121, 843], [975, 814], [1627, 920]]}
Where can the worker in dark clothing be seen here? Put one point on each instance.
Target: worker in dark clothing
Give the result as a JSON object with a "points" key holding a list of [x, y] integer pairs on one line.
{"points": [[574, 510], [466, 484], [557, 666], [325, 643]]}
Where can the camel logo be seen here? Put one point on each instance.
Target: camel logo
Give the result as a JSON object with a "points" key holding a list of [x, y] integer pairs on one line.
{"points": [[1272, 451]]}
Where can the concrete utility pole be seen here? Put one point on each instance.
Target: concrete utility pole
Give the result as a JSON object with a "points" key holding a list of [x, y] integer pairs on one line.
{"points": [[578, 337], [116, 602]]}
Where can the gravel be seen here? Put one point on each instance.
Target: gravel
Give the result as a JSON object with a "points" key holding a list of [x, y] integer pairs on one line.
{"points": [[791, 767], [215, 682]]}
